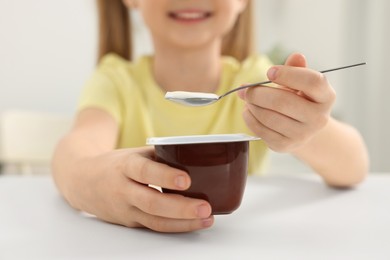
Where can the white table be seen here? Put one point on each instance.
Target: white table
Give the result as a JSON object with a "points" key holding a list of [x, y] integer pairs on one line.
{"points": [[281, 217]]}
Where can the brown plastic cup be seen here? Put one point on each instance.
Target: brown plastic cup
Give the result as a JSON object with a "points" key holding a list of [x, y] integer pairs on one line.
{"points": [[217, 165]]}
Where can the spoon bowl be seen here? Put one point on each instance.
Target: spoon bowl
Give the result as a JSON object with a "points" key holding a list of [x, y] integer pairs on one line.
{"points": [[197, 99]]}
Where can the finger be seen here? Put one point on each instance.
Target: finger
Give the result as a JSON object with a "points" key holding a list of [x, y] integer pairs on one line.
{"points": [[282, 101], [142, 168], [167, 205], [284, 125], [296, 60], [242, 93], [312, 83], [167, 225], [273, 139]]}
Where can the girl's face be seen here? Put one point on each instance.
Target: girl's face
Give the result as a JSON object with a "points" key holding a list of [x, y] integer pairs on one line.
{"points": [[188, 23]]}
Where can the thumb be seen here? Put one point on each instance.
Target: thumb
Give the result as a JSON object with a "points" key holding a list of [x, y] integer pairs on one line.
{"points": [[296, 60]]}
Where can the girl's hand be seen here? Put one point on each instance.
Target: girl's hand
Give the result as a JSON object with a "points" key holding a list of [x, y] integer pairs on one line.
{"points": [[288, 116], [118, 192]]}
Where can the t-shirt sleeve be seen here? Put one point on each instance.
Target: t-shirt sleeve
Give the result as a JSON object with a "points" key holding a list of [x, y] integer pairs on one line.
{"points": [[101, 91]]}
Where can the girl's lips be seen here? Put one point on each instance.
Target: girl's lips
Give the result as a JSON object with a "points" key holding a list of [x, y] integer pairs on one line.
{"points": [[189, 15]]}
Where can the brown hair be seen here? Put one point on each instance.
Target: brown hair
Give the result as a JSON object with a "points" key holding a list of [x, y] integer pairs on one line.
{"points": [[114, 29], [240, 41], [115, 32]]}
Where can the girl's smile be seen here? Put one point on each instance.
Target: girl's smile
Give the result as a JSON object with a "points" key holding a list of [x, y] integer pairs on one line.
{"points": [[188, 24], [189, 15]]}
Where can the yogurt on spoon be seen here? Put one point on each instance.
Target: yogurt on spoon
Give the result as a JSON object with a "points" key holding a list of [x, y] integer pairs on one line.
{"points": [[191, 98]]}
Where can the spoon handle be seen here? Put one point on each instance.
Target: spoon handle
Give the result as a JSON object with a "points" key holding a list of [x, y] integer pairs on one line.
{"points": [[269, 81], [246, 86], [344, 67]]}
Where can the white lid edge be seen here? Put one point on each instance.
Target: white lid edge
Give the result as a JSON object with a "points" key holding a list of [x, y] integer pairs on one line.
{"points": [[200, 139]]}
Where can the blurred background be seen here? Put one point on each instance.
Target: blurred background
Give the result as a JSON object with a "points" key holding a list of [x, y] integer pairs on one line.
{"points": [[48, 50]]}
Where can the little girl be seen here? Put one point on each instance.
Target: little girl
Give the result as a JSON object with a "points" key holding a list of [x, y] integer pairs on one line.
{"points": [[102, 165]]}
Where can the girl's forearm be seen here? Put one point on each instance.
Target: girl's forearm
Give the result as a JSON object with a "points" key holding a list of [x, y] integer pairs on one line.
{"points": [[72, 165], [337, 153], [76, 159], [65, 164]]}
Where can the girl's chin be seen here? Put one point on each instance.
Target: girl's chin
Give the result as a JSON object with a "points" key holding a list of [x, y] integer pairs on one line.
{"points": [[192, 41]]}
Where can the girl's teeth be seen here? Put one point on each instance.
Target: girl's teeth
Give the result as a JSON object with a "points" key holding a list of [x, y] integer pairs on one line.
{"points": [[190, 15]]}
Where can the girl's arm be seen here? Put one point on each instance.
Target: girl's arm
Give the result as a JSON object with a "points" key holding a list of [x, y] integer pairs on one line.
{"points": [[94, 133], [295, 118], [113, 184], [337, 153]]}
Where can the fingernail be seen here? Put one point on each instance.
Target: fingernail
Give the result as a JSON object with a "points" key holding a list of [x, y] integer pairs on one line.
{"points": [[207, 222], [203, 211], [181, 182], [241, 94], [272, 73]]}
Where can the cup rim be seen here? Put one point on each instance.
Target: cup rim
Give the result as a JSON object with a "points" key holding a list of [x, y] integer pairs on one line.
{"points": [[200, 139]]}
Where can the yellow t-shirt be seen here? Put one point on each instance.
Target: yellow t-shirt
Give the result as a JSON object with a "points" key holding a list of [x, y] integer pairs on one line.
{"points": [[128, 92]]}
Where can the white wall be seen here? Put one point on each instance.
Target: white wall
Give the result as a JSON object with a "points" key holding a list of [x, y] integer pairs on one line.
{"points": [[48, 49], [314, 28], [368, 106], [337, 32]]}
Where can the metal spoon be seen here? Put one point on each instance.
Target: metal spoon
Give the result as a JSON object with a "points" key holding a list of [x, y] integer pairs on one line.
{"points": [[201, 99]]}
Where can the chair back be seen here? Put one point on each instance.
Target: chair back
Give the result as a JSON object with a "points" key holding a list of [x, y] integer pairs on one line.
{"points": [[28, 139]]}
